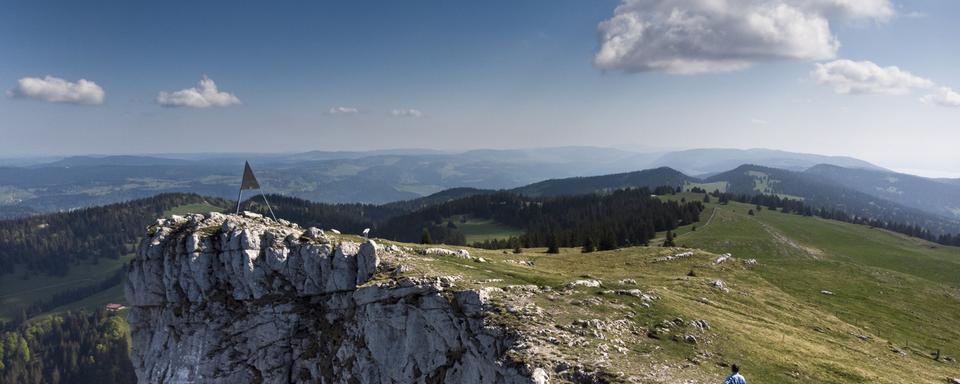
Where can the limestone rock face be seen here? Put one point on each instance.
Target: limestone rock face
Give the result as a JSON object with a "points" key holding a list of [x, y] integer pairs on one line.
{"points": [[244, 299]]}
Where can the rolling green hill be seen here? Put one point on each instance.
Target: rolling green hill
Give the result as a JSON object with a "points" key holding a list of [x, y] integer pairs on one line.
{"points": [[890, 303], [822, 192], [892, 288]]}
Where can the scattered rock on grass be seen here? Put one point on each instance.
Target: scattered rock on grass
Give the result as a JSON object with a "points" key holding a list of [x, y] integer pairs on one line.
{"points": [[702, 325], [675, 257], [719, 284], [723, 258], [462, 253], [590, 283], [630, 292]]}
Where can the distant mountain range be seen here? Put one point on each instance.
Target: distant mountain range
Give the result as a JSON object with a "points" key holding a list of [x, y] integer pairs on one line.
{"points": [[883, 195], [863, 192], [412, 176], [120, 160], [705, 162]]}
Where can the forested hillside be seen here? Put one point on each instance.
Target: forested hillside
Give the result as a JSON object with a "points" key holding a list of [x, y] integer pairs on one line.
{"points": [[928, 195], [74, 347], [650, 178], [51, 243]]}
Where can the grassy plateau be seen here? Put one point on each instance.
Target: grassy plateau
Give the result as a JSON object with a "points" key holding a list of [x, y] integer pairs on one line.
{"points": [[824, 302]]}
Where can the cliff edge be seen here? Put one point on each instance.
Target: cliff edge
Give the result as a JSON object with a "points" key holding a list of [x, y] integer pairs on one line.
{"points": [[245, 299]]}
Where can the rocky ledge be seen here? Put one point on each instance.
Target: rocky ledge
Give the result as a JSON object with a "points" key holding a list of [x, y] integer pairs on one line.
{"points": [[245, 299]]}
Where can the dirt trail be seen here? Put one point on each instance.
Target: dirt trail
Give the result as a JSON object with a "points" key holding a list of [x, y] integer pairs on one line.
{"points": [[813, 252]]}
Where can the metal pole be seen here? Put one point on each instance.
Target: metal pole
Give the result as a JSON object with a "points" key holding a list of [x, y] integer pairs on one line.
{"points": [[238, 199], [268, 204]]}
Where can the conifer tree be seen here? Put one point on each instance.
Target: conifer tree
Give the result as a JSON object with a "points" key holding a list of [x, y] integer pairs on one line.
{"points": [[668, 242], [588, 245], [553, 244]]}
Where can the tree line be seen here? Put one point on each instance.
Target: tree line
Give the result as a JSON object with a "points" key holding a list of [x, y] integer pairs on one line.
{"points": [[350, 218], [51, 243], [619, 218]]}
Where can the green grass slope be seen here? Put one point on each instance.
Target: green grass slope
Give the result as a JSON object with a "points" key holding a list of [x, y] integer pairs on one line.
{"points": [[895, 300], [19, 289], [477, 230], [890, 287]]}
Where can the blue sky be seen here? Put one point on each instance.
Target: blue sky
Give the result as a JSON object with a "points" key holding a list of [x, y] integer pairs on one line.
{"points": [[492, 74]]}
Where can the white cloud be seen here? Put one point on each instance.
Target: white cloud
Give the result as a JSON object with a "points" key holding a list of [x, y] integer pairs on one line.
{"points": [[944, 96], [757, 121], [204, 95], [706, 36], [343, 111], [865, 77], [57, 90], [408, 112]]}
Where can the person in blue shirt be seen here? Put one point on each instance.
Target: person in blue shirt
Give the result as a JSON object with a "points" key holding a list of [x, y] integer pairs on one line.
{"points": [[735, 377]]}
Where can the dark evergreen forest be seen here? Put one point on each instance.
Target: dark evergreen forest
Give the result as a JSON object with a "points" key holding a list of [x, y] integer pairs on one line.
{"points": [[73, 347]]}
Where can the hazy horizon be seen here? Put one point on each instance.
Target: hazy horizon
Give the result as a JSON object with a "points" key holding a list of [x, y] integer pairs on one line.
{"points": [[39, 158]]}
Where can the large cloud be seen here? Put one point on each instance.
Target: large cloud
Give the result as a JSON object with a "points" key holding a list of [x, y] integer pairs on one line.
{"points": [[57, 90], [204, 95], [944, 96], [703, 36], [865, 77]]}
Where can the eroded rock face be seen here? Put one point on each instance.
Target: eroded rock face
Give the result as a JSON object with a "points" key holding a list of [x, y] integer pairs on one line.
{"points": [[244, 299]]}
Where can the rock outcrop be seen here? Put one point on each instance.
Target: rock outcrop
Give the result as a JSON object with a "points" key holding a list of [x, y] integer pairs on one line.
{"points": [[244, 299]]}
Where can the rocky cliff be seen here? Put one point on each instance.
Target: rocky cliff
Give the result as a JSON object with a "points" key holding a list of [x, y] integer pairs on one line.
{"points": [[244, 299]]}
